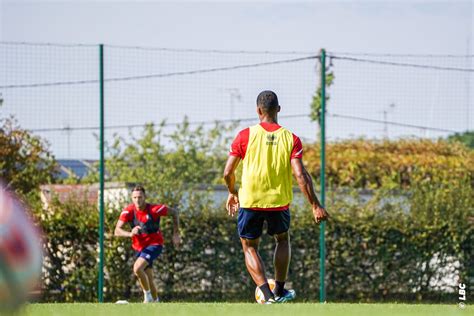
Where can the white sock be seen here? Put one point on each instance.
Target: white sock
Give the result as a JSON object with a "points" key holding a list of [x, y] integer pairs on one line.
{"points": [[147, 294]]}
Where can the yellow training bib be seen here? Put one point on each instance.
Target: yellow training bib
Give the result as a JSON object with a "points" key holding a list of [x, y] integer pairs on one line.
{"points": [[266, 174]]}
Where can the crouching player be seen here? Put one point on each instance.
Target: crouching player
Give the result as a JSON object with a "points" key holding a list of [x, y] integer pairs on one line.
{"points": [[147, 240]]}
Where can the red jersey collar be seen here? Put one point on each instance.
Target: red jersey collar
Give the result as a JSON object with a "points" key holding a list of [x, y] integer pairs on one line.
{"points": [[269, 127]]}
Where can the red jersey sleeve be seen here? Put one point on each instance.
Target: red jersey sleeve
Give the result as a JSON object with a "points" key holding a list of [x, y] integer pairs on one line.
{"points": [[159, 210], [239, 145], [297, 151], [126, 215]]}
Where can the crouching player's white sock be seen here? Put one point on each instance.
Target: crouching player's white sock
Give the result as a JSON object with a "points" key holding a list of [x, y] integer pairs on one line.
{"points": [[147, 297]]}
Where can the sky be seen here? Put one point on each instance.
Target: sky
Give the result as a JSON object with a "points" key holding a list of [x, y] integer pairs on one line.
{"points": [[439, 98], [356, 26]]}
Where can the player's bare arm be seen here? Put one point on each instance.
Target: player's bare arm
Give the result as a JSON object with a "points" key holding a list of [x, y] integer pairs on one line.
{"points": [[232, 204], [306, 186], [120, 232], [176, 236]]}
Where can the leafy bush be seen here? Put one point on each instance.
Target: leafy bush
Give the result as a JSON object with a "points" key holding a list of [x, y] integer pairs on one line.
{"points": [[397, 164], [401, 243], [375, 251]]}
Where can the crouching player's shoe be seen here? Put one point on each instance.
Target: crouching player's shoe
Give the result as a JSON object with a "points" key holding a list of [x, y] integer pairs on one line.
{"points": [[147, 297], [288, 295], [148, 300]]}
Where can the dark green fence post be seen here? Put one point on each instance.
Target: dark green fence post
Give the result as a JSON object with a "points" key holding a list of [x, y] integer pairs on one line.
{"points": [[322, 242], [101, 201]]}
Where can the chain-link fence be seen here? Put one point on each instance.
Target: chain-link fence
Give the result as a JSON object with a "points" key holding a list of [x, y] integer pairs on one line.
{"points": [[399, 96], [54, 91]]}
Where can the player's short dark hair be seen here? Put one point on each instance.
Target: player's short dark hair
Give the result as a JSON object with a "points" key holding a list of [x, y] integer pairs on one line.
{"points": [[268, 101], [139, 188]]}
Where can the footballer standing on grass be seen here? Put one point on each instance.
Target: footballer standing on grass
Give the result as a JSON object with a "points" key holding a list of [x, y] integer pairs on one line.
{"points": [[269, 153], [147, 240]]}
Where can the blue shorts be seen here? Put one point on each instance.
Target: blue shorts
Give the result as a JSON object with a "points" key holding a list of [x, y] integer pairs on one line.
{"points": [[149, 253], [250, 223]]}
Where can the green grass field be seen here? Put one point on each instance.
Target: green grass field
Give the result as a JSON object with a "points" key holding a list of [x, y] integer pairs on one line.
{"points": [[240, 309]]}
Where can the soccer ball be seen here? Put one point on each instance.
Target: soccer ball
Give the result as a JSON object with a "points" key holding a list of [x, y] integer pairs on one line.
{"points": [[259, 297], [21, 253]]}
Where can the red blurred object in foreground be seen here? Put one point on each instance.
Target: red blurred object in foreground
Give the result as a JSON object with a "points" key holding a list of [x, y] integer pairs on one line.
{"points": [[20, 252]]}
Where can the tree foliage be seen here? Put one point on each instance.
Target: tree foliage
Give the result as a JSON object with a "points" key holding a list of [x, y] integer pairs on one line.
{"points": [[467, 138], [170, 166], [316, 103], [25, 160]]}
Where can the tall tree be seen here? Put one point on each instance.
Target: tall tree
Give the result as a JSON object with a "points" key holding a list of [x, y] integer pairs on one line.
{"points": [[25, 160]]}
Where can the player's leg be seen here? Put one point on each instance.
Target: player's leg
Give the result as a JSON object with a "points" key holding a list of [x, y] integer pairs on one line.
{"points": [[139, 270], [281, 261], [250, 225], [149, 274], [253, 261], [150, 253], [278, 226]]}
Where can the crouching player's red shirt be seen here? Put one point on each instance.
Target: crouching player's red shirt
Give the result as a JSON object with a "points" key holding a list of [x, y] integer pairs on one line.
{"points": [[141, 240]]}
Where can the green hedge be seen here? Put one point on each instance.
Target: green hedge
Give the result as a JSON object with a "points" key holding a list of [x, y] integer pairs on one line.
{"points": [[397, 164], [376, 250], [389, 247]]}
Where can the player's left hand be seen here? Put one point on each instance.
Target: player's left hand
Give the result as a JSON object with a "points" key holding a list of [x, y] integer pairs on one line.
{"points": [[176, 239], [232, 204], [320, 214]]}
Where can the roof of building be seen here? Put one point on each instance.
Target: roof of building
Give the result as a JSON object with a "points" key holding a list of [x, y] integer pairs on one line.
{"points": [[76, 168]]}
